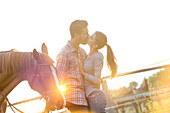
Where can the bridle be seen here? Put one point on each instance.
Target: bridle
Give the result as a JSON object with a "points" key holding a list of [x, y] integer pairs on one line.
{"points": [[10, 105], [36, 72]]}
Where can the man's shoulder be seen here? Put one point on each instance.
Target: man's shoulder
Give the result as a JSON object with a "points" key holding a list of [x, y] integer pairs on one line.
{"points": [[83, 52], [65, 50]]}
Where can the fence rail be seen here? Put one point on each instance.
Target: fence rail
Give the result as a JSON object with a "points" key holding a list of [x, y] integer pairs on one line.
{"points": [[141, 95], [138, 71], [132, 99], [125, 100], [155, 97]]}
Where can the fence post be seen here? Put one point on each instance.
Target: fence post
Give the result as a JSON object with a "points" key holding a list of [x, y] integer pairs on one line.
{"points": [[108, 95]]}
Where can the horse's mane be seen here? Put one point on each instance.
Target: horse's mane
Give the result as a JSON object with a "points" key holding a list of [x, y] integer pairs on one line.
{"points": [[13, 62], [9, 51]]}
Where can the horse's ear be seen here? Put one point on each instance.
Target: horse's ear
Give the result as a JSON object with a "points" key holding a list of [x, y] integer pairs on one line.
{"points": [[35, 54], [44, 49]]}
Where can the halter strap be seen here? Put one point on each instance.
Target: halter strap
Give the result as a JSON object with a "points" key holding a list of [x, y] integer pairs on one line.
{"points": [[2, 94], [10, 105]]}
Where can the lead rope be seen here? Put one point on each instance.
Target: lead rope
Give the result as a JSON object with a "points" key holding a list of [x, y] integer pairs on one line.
{"points": [[10, 105], [13, 107]]}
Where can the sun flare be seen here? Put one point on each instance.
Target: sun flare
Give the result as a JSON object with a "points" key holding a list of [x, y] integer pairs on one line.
{"points": [[62, 88]]}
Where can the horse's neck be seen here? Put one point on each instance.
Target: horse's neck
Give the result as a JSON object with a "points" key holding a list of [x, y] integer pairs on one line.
{"points": [[2, 77], [7, 79]]}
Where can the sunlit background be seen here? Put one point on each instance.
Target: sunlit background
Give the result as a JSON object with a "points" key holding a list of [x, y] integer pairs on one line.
{"points": [[138, 32]]}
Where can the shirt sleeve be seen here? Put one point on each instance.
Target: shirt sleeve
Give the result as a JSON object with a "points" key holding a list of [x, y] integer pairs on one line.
{"points": [[61, 66], [98, 65]]}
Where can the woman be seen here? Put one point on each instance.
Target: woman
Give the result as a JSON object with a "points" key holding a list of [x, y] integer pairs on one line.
{"points": [[92, 71]]}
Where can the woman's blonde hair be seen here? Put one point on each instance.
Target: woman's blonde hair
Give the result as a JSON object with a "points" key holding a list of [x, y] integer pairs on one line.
{"points": [[101, 41]]}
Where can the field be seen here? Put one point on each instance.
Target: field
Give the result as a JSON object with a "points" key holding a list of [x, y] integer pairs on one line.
{"points": [[158, 104]]}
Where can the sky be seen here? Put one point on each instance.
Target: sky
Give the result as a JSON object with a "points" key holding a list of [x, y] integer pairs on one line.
{"points": [[137, 31]]}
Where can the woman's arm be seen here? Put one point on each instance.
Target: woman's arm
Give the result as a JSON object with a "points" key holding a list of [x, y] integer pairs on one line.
{"points": [[98, 65]]}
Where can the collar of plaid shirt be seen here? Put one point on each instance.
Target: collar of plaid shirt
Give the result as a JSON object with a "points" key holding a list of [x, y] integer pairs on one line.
{"points": [[71, 48]]}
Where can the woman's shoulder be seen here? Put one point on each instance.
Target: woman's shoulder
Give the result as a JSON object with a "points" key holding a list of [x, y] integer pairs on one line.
{"points": [[99, 55]]}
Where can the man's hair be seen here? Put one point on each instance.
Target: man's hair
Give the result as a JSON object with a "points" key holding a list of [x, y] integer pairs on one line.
{"points": [[77, 26]]}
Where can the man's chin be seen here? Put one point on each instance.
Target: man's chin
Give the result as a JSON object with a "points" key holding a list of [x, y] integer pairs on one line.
{"points": [[84, 43]]}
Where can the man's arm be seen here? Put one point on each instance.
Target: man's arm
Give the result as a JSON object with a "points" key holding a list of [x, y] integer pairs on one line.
{"points": [[61, 66]]}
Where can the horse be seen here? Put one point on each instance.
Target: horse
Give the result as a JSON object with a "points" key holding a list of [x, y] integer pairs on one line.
{"points": [[35, 67]]}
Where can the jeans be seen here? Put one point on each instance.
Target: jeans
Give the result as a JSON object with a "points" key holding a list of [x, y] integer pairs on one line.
{"points": [[97, 101], [73, 108]]}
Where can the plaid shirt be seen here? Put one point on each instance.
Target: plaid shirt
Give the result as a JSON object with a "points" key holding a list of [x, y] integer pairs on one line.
{"points": [[69, 74]]}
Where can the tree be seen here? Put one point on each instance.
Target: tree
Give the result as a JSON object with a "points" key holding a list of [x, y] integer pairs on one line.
{"points": [[133, 85]]}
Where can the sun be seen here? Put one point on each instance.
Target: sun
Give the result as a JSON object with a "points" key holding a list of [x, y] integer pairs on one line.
{"points": [[62, 88]]}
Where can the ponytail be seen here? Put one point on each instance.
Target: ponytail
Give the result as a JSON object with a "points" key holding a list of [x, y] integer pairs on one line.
{"points": [[101, 41], [111, 61]]}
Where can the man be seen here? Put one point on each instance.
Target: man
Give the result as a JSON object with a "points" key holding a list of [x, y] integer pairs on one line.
{"points": [[68, 71]]}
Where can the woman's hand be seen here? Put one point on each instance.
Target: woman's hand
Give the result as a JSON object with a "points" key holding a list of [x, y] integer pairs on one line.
{"points": [[81, 66]]}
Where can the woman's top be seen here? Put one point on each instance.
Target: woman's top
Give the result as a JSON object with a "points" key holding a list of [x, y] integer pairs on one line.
{"points": [[92, 67]]}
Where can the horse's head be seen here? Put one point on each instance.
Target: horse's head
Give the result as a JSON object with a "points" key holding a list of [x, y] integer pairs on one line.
{"points": [[45, 81]]}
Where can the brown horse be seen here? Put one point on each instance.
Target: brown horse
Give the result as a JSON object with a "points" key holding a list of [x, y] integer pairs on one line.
{"points": [[38, 69]]}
